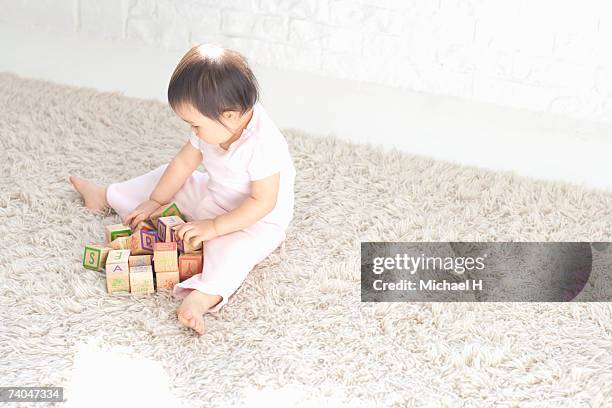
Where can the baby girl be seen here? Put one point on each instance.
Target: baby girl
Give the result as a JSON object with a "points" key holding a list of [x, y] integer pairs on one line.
{"points": [[241, 207]]}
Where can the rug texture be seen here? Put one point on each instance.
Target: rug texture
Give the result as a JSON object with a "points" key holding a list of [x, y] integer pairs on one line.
{"points": [[295, 333]]}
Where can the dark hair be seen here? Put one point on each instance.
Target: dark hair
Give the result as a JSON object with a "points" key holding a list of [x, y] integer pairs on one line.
{"points": [[213, 79]]}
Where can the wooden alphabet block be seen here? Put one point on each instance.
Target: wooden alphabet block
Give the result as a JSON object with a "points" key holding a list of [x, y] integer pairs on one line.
{"points": [[94, 256], [164, 227], [140, 260], [165, 257], [111, 232], [141, 279], [189, 265], [117, 270], [143, 238], [123, 242], [166, 211], [172, 209], [166, 280]]}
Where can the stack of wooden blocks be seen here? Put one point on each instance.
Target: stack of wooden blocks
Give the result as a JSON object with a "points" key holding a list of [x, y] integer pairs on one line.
{"points": [[150, 257]]}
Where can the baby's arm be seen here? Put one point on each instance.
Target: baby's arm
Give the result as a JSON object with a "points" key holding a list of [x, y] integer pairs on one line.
{"points": [[175, 175], [262, 200], [178, 171]]}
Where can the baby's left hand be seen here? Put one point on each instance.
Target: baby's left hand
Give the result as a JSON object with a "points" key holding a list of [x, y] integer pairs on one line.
{"points": [[195, 232]]}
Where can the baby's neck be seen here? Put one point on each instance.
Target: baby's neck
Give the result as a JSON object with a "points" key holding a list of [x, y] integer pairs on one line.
{"points": [[236, 136]]}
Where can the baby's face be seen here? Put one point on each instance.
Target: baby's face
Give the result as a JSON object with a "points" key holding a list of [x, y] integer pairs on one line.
{"points": [[207, 129]]}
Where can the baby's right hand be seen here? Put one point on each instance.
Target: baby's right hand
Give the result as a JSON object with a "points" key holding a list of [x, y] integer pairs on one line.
{"points": [[141, 213]]}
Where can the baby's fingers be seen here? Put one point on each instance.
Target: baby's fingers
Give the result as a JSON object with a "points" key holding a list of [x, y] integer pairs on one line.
{"points": [[181, 230], [178, 232], [188, 234], [139, 217], [195, 241], [128, 218]]}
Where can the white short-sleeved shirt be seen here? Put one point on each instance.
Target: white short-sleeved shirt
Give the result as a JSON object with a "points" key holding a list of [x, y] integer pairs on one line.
{"points": [[260, 151]]}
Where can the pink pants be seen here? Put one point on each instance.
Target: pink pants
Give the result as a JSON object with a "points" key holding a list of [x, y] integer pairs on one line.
{"points": [[228, 258]]}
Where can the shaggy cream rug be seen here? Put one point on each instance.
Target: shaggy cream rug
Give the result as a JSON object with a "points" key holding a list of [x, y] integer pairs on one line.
{"points": [[296, 333]]}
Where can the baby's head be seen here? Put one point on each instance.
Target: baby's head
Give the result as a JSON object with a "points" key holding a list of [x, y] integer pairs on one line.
{"points": [[213, 89]]}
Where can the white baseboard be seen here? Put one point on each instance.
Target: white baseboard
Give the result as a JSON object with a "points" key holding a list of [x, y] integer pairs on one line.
{"points": [[539, 145]]}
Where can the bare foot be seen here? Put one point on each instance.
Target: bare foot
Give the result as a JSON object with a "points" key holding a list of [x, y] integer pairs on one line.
{"points": [[192, 309], [93, 194]]}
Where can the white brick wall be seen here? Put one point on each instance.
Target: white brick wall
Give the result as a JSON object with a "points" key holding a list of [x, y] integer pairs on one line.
{"points": [[551, 55]]}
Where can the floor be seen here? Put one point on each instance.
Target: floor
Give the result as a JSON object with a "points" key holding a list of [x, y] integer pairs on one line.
{"points": [[295, 333], [533, 144]]}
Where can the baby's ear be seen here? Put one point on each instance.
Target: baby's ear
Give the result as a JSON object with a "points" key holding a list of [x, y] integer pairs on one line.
{"points": [[231, 115]]}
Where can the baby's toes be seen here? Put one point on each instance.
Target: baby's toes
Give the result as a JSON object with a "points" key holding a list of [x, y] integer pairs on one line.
{"points": [[181, 319], [193, 323], [187, 319], [184, 316], [200, 327]]}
